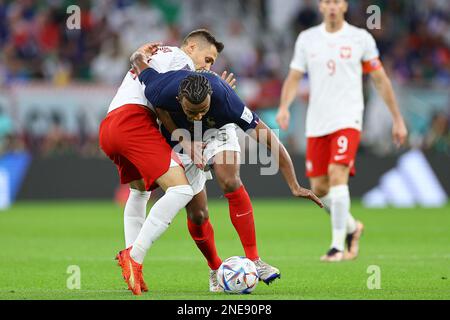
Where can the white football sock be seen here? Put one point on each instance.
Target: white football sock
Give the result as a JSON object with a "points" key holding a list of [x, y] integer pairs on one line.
{"points": [[134, 214], [326, 200], [351, 222], [340, 205], [159, 219]]}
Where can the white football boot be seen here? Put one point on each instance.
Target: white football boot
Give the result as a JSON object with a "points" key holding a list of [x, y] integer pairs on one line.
{"points": [[213, 282], [266, 272]]}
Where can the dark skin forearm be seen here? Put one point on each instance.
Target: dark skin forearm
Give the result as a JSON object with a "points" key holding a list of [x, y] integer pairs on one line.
{"points": [[193, 149], [266, 136], [166, 120]]}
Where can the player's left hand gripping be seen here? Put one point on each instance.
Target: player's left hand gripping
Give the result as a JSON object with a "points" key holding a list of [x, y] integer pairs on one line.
{"points": [[150, 48], [308, 194], [230, 79], [141, 57], [195, 151]]}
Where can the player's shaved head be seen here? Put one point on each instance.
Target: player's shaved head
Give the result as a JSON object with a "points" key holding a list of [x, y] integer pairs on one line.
{"points": [[204, 37], [194, 95], [202, 47]]}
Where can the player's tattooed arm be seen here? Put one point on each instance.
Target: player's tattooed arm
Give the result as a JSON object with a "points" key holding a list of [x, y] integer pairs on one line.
{"points": [[140, 58], [166, 120], [266, 136]]}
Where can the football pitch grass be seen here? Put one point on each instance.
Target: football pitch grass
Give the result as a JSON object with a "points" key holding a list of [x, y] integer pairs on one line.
{"points": [[40, 240]]}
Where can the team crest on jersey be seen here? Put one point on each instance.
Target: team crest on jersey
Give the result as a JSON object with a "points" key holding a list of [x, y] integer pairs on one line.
{"points": [[346, 52]]}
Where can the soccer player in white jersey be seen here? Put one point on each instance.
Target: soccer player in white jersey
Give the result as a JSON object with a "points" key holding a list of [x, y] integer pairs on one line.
{"points": [[334, 55], [131, 93], [129, 135]]}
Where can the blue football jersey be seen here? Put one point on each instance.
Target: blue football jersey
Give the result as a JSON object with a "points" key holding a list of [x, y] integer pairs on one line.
{"points": [[161, 90]]}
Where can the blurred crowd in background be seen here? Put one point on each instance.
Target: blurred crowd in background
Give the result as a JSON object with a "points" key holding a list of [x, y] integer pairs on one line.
{"points": [[259, 37]]}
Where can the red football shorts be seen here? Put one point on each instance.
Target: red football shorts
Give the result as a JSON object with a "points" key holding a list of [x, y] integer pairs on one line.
{"points": [[339, 147], [130, 137]]}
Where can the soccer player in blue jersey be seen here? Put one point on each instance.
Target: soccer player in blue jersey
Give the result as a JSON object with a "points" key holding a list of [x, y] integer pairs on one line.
{"points": [[203, 98]]}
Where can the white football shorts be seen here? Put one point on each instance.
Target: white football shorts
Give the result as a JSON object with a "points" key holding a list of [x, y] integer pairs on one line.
{"points": [[217, 140]]}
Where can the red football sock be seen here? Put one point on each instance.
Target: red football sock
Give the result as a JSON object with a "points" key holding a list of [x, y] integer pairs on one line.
{"points": [[241, 214], [203, 236]]}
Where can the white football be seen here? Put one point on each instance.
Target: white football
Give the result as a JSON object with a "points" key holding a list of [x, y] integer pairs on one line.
{"points": [[238, 275]]}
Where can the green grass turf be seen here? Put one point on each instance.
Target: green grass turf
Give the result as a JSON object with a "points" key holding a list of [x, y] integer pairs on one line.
{"points": [[40, 240]]}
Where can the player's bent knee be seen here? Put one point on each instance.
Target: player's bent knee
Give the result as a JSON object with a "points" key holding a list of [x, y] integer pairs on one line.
{"points": [[198, 216], [138, 185], [184, 193], [184, 189], [320, 186], [320, 191], [197, 208], [230, 184], [338, 174], [175, 176]]}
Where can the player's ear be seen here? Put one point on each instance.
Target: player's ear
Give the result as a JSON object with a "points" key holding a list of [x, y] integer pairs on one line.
{"points": [[191, 46]]}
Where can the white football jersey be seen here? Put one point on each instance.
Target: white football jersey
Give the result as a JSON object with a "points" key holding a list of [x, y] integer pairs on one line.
{"points": [[334, 64], [131, 91]]}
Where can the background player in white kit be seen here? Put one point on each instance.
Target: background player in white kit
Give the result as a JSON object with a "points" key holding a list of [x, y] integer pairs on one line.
{"points": [[334, 55]]}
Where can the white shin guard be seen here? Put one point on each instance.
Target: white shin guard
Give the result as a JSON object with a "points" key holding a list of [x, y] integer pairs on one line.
{"points": [[134, 214]]}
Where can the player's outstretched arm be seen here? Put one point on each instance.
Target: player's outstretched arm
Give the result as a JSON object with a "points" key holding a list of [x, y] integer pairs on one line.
{"points": [[384, 87], [288, 94], [266, 136], [140, 58]]}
